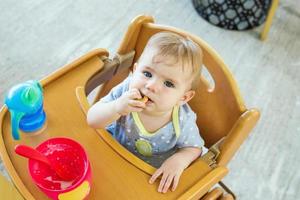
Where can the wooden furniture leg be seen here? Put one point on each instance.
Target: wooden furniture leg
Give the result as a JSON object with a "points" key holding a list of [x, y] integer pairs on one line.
{"points": [[268, 22]]}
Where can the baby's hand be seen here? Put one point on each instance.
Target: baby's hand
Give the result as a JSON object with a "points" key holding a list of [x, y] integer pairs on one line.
{"points": [[129, 102], [171, 171]]}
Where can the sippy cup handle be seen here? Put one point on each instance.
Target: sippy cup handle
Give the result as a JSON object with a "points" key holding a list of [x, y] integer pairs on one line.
{"points": [[15, 121]]}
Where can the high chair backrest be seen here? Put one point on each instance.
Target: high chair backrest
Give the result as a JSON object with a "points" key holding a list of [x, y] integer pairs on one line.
{"points": [[218, 107]]}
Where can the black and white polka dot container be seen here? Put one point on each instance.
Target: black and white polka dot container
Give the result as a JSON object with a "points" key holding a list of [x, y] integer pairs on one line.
{"points": [[233, 14]]}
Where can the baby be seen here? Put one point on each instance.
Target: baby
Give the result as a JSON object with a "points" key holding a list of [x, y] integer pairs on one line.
{"points": [[148, 112]]}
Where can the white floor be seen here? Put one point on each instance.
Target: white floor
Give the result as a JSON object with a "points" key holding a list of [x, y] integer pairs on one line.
{"points": [[37, 37]]}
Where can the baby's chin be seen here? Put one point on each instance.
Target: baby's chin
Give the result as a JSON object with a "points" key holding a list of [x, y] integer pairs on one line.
{"points": [[153, 110], [150, 105]]}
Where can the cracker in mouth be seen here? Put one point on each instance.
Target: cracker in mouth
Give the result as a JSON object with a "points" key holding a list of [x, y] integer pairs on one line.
{"points": [[144, 99]]}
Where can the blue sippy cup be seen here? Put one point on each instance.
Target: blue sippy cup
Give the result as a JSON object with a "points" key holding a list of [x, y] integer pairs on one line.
{"points": [[25, 104]]}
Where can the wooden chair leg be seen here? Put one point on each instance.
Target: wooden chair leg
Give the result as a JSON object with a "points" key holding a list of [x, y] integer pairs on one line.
{"points": [[217, 194], [214, 194], [228, 191], [269, 19], [227, 197]]}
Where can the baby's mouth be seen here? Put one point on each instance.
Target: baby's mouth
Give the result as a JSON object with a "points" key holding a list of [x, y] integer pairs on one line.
{"points": [[146, 99], [150, 100]]}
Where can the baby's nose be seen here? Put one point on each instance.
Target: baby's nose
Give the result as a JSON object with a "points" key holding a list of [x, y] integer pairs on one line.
{"points": [[153, 86]]}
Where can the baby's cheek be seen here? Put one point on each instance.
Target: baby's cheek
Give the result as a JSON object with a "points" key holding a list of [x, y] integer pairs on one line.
{"points": [[133, 84], [137, 82], [167, 103]]}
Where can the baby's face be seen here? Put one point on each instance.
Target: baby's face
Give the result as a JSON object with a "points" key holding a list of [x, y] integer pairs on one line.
{"points": [[162, 80]]}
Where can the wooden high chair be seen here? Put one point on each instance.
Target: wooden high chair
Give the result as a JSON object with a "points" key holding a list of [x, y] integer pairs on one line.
{"points": [[223, 120]]}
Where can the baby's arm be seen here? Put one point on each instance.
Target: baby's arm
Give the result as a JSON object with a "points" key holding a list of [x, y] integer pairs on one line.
{"points": [[173, 167], [102, 114]]}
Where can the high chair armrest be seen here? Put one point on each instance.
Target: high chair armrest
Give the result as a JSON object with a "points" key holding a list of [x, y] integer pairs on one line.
{"points": [[237, 135], [202, 186]]}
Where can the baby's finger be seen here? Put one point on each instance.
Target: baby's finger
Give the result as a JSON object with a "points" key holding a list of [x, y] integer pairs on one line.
{"points": [[168, 183], [175, 182], [156, 174], [162, 182], [137, 103]]}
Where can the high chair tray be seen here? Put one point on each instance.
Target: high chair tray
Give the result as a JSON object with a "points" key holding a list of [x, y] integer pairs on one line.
{"points": [[116, 173]]}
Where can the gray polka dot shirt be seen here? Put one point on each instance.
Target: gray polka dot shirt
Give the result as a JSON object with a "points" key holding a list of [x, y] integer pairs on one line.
{"points": [[161, 144]]}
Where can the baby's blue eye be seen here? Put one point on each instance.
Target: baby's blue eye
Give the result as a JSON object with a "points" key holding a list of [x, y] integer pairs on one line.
{"points": [[147, 74], [169, 84]]}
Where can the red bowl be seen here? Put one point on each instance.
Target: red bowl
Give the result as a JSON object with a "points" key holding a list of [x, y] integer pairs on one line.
{"points": [[72, 154]]}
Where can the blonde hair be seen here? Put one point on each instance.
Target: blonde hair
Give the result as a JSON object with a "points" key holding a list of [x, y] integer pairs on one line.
{"points": [[182, 49]]}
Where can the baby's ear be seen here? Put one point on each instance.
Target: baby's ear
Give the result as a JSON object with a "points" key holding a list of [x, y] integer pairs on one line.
{"points": [[186, 97], [134, 67]]}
